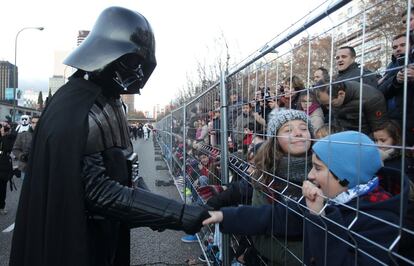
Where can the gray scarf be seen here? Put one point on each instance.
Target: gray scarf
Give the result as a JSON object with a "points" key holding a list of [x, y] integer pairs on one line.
{"points": [[294, 168]]}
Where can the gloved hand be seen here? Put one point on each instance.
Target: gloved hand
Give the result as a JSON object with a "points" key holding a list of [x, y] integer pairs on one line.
{"points": [[192, 218], [206, 192]]}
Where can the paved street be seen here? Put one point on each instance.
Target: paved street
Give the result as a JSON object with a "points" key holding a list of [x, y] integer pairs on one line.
{"points": [[147, 247]]}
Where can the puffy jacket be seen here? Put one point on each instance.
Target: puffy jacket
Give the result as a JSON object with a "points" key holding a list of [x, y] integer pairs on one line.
{"points": [[373, 108]]}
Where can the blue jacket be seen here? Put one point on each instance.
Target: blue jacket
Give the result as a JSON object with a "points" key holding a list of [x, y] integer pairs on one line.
{"points": [[320, 234]]}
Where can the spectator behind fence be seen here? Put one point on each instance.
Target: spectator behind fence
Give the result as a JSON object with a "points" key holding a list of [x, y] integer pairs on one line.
{"points": [[290, 93], [247, 116], [348, 69], [332, 193], [234, 107], [284, 156], [309, 104], [386, 135], [214, 129], [321, 75], [203, 128], [326, 130], [345, 101], [385, 84], [392, 86], [259, 101], [404, 20]]}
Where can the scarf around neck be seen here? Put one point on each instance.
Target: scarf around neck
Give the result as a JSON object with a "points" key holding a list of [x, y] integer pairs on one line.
{"points": [[359, 190], [293, 168]]}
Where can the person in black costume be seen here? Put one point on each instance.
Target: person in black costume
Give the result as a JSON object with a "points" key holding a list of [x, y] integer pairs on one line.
{"points": [[76, 204], [7, 139]]}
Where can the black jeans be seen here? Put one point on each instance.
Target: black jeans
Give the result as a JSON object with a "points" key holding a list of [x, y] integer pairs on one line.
{"points": [[3, 190]]}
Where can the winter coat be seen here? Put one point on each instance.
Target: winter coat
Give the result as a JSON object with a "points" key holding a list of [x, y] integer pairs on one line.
{"points": [[241, 123], [317, 119], [6, 167], [320, 247], [394, 90], [21, 148], [353, 72], [373, 108]]}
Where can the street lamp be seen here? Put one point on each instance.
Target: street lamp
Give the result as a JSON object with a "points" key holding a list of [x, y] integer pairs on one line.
{"points": [[15, 68]]}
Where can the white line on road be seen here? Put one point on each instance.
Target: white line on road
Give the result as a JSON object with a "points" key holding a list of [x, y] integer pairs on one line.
{"points": [[9, 229]]}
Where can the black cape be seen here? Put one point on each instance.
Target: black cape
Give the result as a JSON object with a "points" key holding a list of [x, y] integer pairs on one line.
{"points": [[51, 226]]}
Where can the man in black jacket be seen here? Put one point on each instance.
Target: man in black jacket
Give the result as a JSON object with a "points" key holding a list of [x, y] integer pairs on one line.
{"points": [[345, 101], [76, 204], [348, 69], [392, 86]]}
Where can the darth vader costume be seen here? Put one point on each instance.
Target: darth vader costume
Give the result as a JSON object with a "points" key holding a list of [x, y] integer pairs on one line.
{"points": [[76, 206]]}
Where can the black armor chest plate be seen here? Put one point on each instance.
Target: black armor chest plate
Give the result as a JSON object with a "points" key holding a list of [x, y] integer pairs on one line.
{"points": [[108, 126]]}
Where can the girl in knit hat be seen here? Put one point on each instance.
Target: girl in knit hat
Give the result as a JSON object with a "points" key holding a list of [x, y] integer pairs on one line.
{"points": [[349, 213], [281, 166]]}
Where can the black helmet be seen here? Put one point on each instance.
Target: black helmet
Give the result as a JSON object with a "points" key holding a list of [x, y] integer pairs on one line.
{"points": [[122, 41]]}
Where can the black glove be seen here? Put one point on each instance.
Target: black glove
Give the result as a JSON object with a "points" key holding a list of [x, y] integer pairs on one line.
{"points": [[234, 195], [192, 218]]}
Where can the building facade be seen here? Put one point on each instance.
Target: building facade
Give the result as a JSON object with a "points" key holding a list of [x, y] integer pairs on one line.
{"points": [[82, 34], [55, 83], [129, 101], [7, 78]]}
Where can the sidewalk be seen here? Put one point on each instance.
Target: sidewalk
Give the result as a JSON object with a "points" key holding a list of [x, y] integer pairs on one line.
{"points": [[147, 247], [159, 248]]}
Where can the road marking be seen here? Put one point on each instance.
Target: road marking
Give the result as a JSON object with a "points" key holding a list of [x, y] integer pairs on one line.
{"points": [[9, 229]]}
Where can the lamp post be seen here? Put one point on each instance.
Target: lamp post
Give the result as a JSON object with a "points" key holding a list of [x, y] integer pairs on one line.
{"points": [[15, 69]]}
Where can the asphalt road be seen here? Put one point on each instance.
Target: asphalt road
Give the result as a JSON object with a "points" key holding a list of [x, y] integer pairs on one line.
{"points": [[147, 247]]}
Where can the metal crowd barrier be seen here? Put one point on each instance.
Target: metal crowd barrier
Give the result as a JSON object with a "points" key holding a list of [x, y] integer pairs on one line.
{"points": [[203, 141]]}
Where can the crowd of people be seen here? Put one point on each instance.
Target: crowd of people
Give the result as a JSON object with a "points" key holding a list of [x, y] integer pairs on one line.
{"points": [[288, 141], [15, 142], [140, 130], [320, 174]]}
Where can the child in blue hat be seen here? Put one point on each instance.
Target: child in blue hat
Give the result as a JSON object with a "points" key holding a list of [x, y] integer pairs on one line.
{"points": [[348, 214]]}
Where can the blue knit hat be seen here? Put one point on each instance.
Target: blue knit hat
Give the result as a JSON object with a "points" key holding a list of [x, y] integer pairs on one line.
{"points": [[277, 118], [350, 156]]}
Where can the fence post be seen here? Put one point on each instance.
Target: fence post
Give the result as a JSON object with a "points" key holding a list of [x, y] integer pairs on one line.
{"points": [[185, 151], [171, 140], [224, 159]]}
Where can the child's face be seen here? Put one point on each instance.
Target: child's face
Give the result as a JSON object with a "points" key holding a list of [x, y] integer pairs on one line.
{"points": [[294, 137], [305, 102], [204, 159], [321, 177], [382, 137]]}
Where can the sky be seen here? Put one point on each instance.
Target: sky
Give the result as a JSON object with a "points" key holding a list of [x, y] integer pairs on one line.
{"points": [[186, 32]]}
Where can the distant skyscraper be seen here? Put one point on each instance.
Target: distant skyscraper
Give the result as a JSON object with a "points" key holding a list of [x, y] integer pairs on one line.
{"points": [[56, 82], [59, 68], [82, 34], [129, 100], [7, 77]]}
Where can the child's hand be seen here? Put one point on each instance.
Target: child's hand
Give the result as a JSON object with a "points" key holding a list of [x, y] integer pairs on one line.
{"points": [[314, 197], [215, 217]]}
